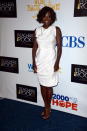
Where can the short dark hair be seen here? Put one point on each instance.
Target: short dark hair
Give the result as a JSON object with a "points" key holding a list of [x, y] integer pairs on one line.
{"points": [[42, 12]]}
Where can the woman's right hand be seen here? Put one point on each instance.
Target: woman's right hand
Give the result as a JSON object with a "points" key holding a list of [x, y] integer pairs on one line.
{"points": [[35, 68]]}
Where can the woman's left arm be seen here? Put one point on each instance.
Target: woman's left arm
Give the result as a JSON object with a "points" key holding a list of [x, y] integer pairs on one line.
{"points": [[59, 48]]}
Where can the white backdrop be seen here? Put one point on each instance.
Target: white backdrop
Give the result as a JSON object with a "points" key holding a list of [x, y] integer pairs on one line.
{"points": [[70, 26]]}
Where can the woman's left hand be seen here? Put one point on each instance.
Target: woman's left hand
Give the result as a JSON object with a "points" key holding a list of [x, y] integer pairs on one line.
{"points": [[56, 66]]}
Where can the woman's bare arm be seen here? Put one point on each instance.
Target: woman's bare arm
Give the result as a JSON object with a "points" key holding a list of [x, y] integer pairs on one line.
{"points": [[35, 47], [59, 48]]}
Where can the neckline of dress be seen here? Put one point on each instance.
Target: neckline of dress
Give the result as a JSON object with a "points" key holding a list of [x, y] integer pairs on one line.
{"points": [[46, 28]]}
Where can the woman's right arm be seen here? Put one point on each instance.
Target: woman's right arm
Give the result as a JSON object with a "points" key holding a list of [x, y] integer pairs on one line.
{"points": [[35, 47]]}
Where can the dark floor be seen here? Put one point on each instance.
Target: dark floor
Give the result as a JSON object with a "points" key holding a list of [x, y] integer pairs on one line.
{"points": [[19, 116]]}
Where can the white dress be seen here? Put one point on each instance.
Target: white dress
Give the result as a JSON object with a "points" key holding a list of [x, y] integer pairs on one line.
{"points": [[46, 56]]}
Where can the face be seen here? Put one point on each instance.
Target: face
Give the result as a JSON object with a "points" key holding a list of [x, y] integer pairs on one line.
{"points": [[47, 19]]}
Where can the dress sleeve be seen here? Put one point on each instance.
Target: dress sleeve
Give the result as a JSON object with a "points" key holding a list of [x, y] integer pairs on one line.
{"points": [[38, 32]]}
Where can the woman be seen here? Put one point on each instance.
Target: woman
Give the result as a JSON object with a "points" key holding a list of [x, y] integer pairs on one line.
{"points": [[45, 56]]}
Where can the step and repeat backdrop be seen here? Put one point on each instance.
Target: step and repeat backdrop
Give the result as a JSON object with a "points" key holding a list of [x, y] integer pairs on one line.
{"points": [[17, 80]]}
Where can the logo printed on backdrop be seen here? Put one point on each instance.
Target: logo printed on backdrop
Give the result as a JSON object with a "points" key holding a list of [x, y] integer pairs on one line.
{"points": [[28, 93], [36, 5], [8, 8], [64, 102], [30, 67], [9, 64], [80, 8], [79, 74], [73, 41], [24, 38]]}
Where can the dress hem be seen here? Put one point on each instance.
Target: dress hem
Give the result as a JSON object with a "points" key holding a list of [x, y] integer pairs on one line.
{"points": [[49, 86]]}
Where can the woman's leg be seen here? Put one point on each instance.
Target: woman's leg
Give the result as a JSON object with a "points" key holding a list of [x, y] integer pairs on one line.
{"points": [[43, 93], [47, 95], [49, 92]]}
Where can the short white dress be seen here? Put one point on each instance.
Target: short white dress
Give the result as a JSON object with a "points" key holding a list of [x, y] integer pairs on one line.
{"points": [[46, 56]]}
